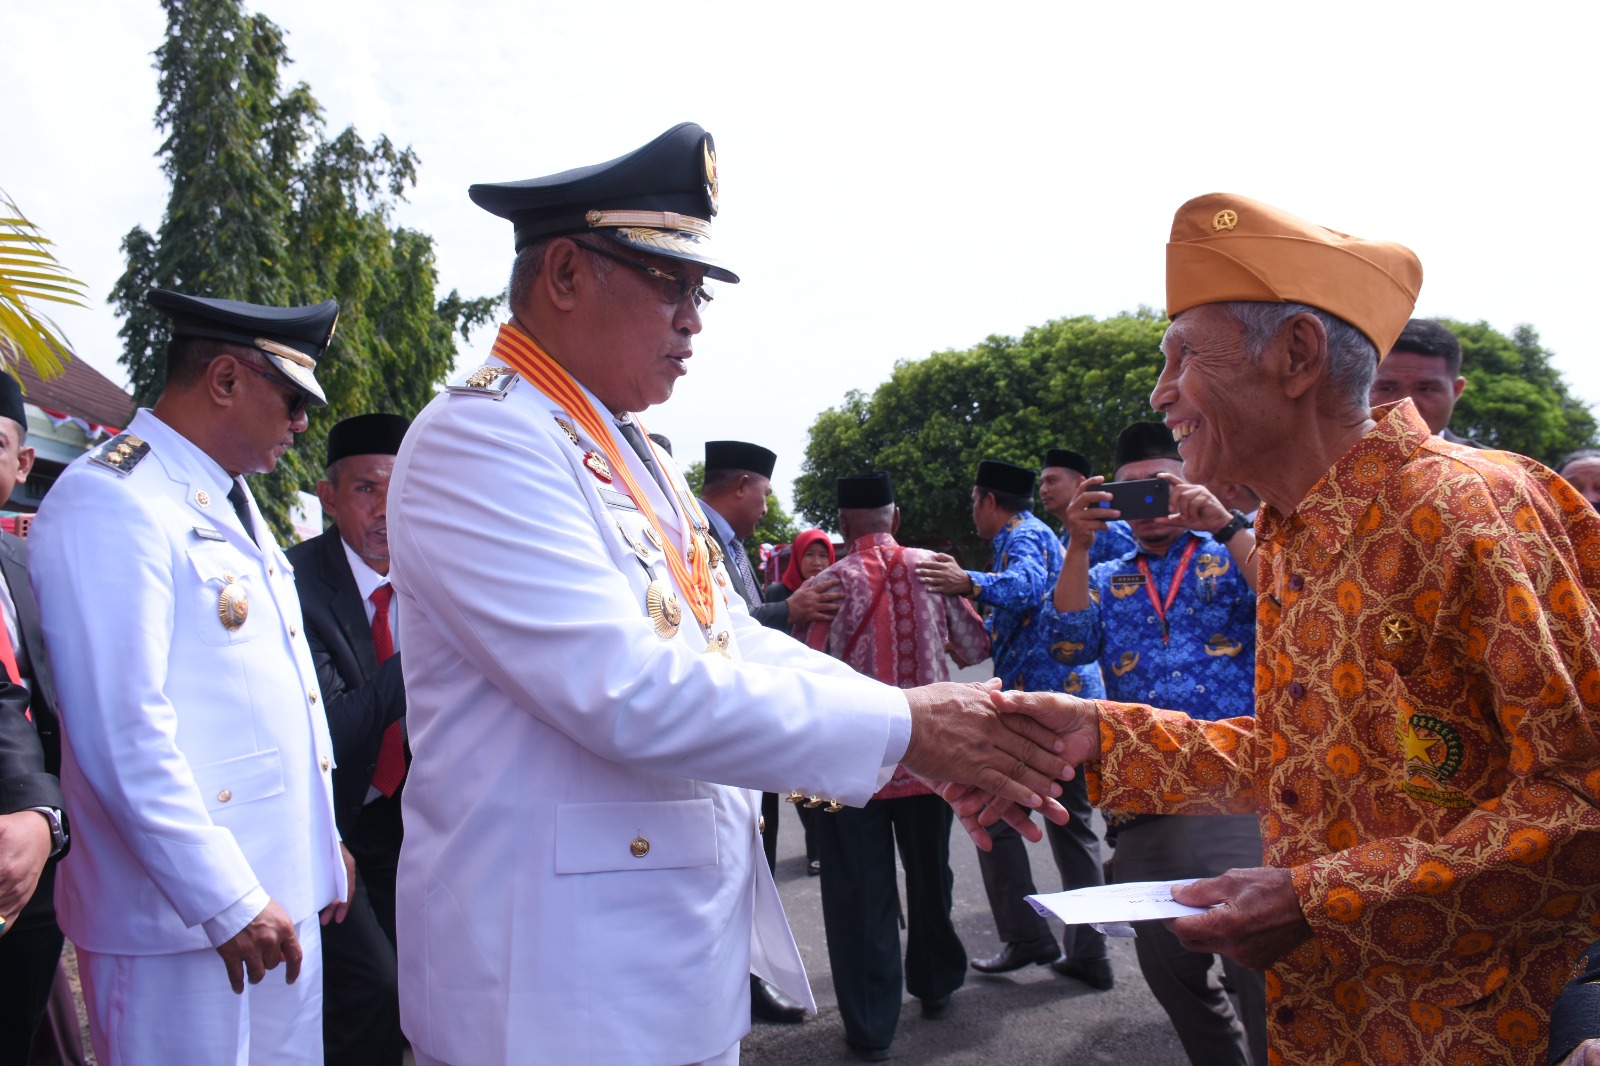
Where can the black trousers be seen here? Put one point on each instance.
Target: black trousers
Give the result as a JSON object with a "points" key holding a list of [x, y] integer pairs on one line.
{"points": [[29, 954], [860, 911], [360, 981], [1007, 876]]}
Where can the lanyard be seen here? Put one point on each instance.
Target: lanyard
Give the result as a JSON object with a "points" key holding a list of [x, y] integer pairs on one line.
{"points": [[552, 379], [1172, 589]]}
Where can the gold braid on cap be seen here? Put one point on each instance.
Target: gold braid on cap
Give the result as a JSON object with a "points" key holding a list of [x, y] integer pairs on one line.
{"points": [[294, 355], [667, 220]]}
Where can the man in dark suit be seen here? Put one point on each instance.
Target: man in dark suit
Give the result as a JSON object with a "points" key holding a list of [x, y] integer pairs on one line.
{"points": [[734, 497], [342, 577], [32, 826]]}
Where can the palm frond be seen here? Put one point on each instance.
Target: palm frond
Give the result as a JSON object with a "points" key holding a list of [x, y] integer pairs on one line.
{"points": [[30, 273]]}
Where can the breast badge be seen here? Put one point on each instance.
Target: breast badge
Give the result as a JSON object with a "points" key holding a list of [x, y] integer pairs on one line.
{"points": [[1397, 633], [633, 545], [654, 538], [568, 428], [1433, 753], [233, 606], [1125, 585], [662, 605], [598, 466]]}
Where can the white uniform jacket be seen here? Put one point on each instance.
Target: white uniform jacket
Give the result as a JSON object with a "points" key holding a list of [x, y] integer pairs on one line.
{"points": [[573, 886], [196, 757]]}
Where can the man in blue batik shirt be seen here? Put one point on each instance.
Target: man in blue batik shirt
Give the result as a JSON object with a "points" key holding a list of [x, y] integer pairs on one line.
{"points": [[1062, 471], [1027, 558], [1172, 623]]}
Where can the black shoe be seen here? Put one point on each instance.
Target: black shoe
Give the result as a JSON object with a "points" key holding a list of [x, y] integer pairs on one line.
{"points": [[1096, 973], [1017, 954], [868, 1054], [814, 867], [936, 1009], [769, 1004]]}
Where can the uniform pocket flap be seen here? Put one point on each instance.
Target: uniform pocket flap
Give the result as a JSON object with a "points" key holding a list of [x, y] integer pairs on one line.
{"points": [[662, 835], [231, 782]]}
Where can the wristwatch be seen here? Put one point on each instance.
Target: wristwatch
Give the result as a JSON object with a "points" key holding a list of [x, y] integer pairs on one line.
{"points": [[58, 835], [1225, 534]]}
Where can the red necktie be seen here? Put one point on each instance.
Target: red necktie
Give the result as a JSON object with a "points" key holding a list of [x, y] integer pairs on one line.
{"points": [[8, 659], [391, 768]]}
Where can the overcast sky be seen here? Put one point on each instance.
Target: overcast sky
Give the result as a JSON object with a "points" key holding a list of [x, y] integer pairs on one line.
{"points": [[895, 179]]}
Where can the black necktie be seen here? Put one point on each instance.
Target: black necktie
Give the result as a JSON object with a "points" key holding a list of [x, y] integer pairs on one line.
{"points": [[635, 439], [242, 507]]}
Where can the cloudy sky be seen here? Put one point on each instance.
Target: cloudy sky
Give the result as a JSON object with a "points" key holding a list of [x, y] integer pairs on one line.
{"points": [[896, 178]]}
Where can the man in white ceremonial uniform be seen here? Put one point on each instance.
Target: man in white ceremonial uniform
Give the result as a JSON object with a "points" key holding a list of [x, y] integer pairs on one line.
{"points": [[592, 715], [196, 759]]}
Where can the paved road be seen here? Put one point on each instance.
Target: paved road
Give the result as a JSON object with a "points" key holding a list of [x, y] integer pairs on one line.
{"points": [[1028, 1018]]}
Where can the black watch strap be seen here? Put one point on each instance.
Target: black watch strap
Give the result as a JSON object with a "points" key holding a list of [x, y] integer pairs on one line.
{"points": [[1225, 534]]}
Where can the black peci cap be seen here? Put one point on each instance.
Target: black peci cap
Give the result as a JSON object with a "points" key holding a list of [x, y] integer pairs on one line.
{"points": [[1068, 459], [865, 491], [997, 476], [1145, 440], [658, 199], [293, 338], [376, 434], [737, 455], [11, 401]]}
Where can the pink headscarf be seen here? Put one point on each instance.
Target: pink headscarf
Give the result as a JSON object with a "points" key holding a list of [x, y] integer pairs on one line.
{"points": [[791, 573]]}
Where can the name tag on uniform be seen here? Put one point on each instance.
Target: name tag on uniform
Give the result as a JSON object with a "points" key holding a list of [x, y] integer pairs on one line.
{"points": [[616, 499], [208, 534], [1126, 581]]}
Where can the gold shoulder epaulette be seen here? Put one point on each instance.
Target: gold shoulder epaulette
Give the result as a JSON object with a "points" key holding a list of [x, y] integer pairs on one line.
{"points": [[493, 381], [121, 453]]}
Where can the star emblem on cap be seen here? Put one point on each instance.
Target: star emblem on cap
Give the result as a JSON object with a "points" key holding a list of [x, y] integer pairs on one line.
{"points": [[1227, 218]]}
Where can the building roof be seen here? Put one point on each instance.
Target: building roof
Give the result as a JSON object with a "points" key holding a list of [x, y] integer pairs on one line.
{"points": [[81, 391]]}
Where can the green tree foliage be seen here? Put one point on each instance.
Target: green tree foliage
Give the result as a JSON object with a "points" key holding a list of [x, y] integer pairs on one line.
{"points": [[1515, 399], [777, 526], [1072, 382], [265, 207]]}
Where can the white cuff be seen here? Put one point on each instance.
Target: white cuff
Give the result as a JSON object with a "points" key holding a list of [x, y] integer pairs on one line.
{"points": [[223, 927], [899, 741]]}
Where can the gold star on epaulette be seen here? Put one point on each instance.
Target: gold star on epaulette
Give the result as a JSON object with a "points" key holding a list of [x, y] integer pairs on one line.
{"points": [[121, 453]]}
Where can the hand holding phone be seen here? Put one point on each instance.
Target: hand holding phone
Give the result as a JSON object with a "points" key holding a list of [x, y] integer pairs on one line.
{"points": [[1146, 498]]}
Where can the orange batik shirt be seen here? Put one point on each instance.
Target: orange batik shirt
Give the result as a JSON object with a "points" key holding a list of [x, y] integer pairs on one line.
{"points": [[1424, 757]]}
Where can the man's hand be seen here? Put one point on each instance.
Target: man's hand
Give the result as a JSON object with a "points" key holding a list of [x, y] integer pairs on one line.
{"points": [[1193, 506], [817, 600], [1075, 722], [1085, 516], [268, 940], [957, 736], [944, 575], [24, 849], [335, 911], [977, 810], [1258, 923]]}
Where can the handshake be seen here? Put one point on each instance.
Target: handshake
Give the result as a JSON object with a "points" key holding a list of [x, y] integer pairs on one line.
{"points": [[997, 756]]}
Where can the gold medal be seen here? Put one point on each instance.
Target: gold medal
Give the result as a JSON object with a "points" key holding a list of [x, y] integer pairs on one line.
{"points": [[662, 604], [598, 466], [653, 537], [568, 429], [634, 546], [233, 606], [714, 553], [718, 644]]}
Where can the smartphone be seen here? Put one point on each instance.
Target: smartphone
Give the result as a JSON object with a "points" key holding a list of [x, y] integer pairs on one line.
{"points": [[1138, 499]]}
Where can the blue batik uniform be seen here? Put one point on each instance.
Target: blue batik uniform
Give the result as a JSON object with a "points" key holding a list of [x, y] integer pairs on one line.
{"points": [[1205, 667], [1113, 542], [1027, 558]]}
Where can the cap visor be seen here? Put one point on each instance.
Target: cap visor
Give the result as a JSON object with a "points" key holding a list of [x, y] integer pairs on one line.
{"points": [[300, 376], [674, 244]]}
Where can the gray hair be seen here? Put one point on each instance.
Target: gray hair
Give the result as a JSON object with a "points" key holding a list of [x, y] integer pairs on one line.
{"points": [[1352, 357], [868, 519], [529, 264]]}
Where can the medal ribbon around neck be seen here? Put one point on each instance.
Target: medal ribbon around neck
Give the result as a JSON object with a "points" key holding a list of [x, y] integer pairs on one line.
{"points": [[552, 379]]}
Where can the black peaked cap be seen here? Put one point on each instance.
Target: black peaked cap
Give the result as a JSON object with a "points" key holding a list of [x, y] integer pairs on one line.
{"points": [[293, 338]]}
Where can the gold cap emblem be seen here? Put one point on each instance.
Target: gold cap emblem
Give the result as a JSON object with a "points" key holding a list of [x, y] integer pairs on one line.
{"points": [[710, 150], [1227, 218]]}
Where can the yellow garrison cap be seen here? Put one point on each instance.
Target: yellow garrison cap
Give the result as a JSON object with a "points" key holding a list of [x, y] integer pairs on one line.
{"points": [[1226, 247]]}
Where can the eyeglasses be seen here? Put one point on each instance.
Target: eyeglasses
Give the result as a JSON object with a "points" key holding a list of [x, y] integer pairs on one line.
{"points": [[673, 289], [298, 399]]}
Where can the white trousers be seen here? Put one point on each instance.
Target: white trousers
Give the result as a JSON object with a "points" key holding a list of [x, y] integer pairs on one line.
{"points": [[180, 1009], [727, 1058]]}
